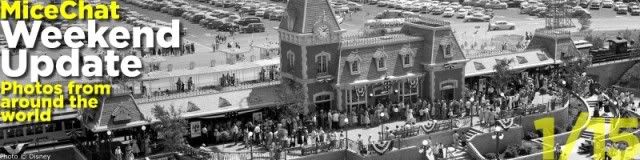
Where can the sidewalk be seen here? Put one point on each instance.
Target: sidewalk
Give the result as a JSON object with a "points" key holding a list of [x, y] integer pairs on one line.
{"points": [[352, 134]]}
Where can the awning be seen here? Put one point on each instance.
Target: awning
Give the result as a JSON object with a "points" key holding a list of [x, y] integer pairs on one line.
{"points": [[524, 60]]}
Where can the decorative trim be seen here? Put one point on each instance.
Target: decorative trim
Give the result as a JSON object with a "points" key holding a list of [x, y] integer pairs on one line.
{"points": [[304, 63], [322, 94], [452, 81], [291, 57]]}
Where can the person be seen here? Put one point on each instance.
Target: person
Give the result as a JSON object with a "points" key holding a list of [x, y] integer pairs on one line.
{"points": [[456, 138], [234, 134], [361, 146], [205, 135], [118, 153], [558, 151], [129, 155]]}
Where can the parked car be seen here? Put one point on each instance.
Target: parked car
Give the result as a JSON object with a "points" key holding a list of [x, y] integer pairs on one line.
{"points": [[276, 15], [501, 25], [477, 17], [622, 9], [617, 5], [461, 13], [253, 28], [595, 4], [634, 10], [607, 4], [448, 12], [229, 26], [248, 20], [496, 5], [260, 12], [437, 10]]}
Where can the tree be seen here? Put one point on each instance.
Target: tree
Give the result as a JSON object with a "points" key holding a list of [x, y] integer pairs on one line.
{"points": [[503, 74], [585, 21], [596, 41], [173, 128], [292, 96]]}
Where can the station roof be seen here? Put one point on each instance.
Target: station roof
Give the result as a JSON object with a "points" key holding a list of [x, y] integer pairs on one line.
{"points": [[522, 60], [215, 105]]}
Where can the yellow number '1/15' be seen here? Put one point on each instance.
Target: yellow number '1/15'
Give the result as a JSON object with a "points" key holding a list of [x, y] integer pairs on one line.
{"points": [[616, 135]]}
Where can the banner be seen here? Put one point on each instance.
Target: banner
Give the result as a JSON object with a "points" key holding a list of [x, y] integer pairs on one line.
{"points": [[196, 130], [382, 147]]}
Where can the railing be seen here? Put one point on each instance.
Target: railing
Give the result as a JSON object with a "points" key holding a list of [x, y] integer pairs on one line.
{"points": [[556, 33], [472, 53], [379, 40], [199, 92]]}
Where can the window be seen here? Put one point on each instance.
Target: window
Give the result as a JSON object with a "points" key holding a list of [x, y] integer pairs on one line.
{"points": [[322, 61], [406, 54], [355, 68], [381, 63], [379, 58], [354, 63], [292, 58], [406, 60]]}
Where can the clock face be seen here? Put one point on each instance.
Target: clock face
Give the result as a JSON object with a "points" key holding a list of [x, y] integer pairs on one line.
{"points": [[322, 30]]}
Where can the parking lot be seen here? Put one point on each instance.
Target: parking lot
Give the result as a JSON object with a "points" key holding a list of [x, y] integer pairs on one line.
{"points": [[603, 19]]}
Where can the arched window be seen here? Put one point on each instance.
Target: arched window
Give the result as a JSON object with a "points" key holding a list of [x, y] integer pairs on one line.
{"points": [[292, 58], [322, 60], [354, 63], [355, 67], [407, 53], [380, 58]]}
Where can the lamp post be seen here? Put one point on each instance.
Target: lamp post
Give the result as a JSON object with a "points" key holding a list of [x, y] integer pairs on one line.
{"points": [[109, 142], [498, 135], [346, 138], [381, 126], [424, 149], [144, 139], [249, 143]]}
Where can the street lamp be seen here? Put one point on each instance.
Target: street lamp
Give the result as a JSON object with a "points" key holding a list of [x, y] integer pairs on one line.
{"points": [[346, 138], [498, 135], [424, 149], [109, 141], [381, 126]]}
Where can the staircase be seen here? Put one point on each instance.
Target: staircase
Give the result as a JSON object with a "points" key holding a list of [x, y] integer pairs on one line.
{"points": [[459, 155], [470, 133], [586, 134]]}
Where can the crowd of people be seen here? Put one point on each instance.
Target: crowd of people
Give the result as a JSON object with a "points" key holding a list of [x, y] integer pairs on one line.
{"points": [[327, 127], [185, 48]]}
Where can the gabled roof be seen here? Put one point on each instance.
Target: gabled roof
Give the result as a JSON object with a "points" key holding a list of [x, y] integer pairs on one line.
{"points": [[116, 112], [523, 60], [305, 14]]}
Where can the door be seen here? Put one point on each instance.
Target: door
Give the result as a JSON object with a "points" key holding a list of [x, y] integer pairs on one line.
{"points": [[447, 94]]}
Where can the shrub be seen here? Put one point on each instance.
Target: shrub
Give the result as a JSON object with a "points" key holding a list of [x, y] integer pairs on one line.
{"points": [[524, 150], [511, 151], [490, 156], [530, 135]]}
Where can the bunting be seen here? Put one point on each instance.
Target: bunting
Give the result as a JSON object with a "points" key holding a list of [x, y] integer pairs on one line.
{"points": [[428, 127], [506, 123], [382, 147]]}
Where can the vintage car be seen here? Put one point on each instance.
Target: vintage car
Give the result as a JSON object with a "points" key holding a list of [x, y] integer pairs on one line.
{"points": [[501, 25]]}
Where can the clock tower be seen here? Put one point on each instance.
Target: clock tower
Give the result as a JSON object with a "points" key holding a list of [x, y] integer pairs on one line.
{"points": [[309, 51]]}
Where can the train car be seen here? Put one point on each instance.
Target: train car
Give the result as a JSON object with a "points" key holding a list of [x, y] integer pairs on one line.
{"points": [[619, 48], [63, 126]]}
